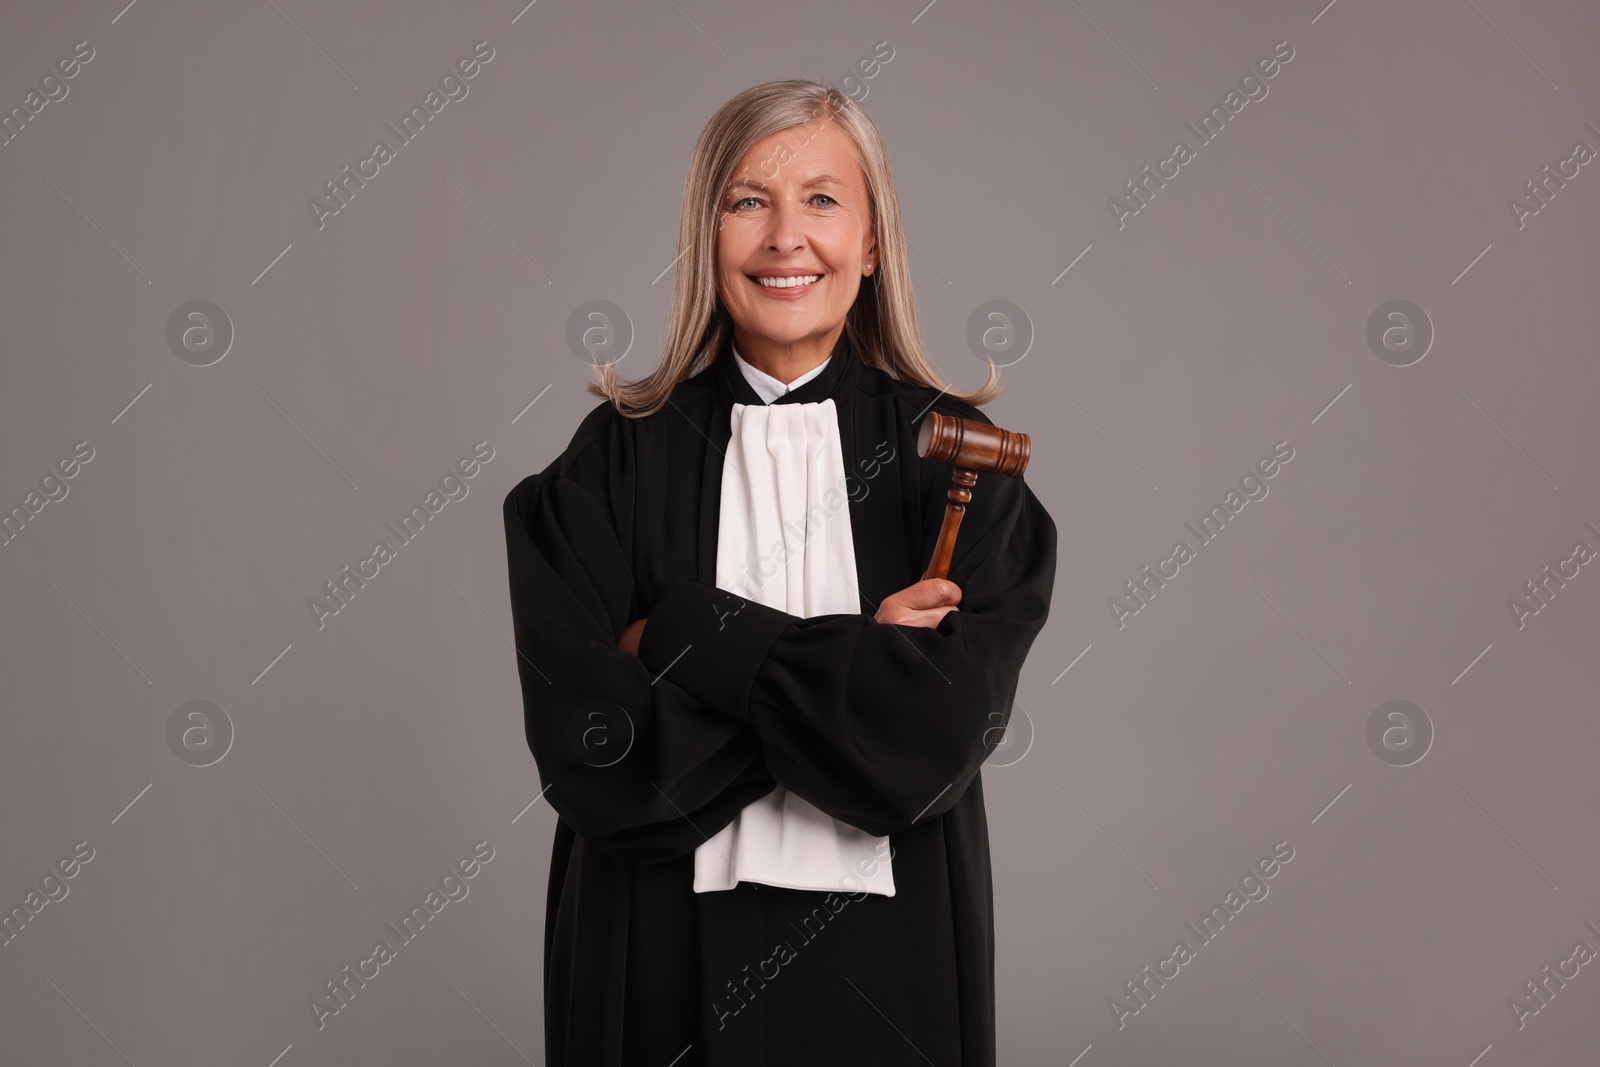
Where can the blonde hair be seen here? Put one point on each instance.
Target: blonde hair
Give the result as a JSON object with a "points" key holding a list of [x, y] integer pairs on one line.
{"points": [[881, 324]]}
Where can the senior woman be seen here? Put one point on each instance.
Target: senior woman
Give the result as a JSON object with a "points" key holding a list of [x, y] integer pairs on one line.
{"points": [[760, 730]]}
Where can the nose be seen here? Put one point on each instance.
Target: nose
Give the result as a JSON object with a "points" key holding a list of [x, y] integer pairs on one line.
{"points": [[786, 230]]}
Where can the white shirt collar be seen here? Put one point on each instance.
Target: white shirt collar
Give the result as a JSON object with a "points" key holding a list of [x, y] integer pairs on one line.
{"points": [[769, 388]]}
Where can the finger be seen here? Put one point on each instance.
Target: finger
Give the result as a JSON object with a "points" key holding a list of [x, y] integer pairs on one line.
{"points": [[928, 619], [931, 593]]}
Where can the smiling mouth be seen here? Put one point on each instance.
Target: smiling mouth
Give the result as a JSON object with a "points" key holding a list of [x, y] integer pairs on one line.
{"points": [[794, 281]]}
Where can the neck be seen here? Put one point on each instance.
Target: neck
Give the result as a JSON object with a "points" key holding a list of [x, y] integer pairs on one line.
{"points": [[786, 361]]}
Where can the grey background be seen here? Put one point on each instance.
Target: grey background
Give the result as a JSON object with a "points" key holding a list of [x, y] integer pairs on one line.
{"points": [[1228, 315]]}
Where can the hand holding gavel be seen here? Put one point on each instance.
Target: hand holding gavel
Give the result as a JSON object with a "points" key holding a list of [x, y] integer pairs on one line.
{"points": [[922, 604], [971, 447]]}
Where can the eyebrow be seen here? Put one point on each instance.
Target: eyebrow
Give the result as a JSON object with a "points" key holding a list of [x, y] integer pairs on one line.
{"points": [[751, 183]]}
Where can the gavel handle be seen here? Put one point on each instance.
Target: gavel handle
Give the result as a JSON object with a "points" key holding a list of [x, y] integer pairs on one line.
{"points": [[959, 494]]}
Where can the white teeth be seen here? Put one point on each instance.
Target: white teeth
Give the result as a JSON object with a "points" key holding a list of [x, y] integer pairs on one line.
{"points": [[788, 283]]}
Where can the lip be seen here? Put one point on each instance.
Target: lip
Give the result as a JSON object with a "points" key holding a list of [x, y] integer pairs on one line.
{"points": [[793, 292]]}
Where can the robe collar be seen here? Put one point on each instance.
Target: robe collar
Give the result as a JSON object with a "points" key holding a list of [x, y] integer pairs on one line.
{"points": [[836, 381], [837, 375]]}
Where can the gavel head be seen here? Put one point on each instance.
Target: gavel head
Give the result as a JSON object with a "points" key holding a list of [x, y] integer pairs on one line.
{"points": [[971, 445]]}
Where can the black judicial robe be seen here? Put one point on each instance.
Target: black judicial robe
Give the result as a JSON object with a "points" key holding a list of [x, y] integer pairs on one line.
{"points": [[881, 726]]}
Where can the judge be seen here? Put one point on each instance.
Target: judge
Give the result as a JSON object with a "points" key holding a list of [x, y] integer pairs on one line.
{"points": [[760, 730]]}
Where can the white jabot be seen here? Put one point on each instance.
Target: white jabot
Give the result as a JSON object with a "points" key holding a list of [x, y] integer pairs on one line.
{"points": [[766, 386], [784, 540]]}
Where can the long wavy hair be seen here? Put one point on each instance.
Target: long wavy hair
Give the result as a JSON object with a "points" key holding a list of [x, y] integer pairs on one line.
{"points": [[882, 323]]}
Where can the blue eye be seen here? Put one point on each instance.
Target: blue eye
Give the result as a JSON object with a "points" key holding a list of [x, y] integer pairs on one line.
{"points": [[735, 206]]}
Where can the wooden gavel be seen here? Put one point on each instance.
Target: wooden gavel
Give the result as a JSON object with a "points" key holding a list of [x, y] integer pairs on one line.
{"points": [[971, 447]]}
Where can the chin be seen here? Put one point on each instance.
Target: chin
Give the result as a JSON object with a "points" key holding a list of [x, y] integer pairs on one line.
{"points": [[788, 333]]}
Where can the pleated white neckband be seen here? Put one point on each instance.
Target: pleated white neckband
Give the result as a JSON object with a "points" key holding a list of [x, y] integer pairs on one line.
{"points": [[784, 540]]}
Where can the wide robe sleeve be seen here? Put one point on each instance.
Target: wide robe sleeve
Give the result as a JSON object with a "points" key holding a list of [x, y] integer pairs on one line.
{"points": [[878, 725], [643, 772]]}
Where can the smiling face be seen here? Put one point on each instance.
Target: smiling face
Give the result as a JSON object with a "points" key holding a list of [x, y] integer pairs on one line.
{"points": [[794, 240]]}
